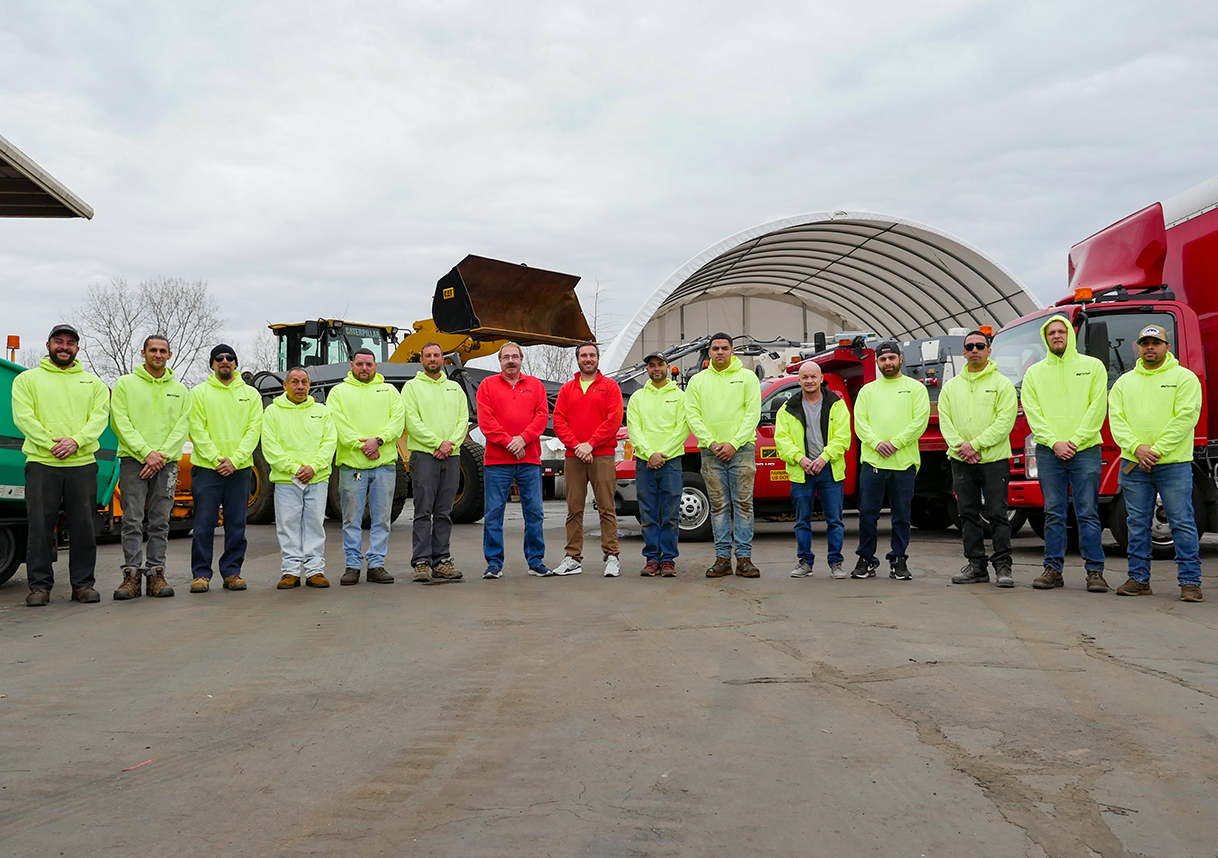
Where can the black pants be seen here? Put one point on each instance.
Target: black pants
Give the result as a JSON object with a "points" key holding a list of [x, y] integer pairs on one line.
{"points": [[981, 490], [435, 485], [46, 489]]}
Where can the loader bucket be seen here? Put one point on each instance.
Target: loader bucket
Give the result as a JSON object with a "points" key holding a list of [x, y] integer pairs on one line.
{"points": [[492, 300]]}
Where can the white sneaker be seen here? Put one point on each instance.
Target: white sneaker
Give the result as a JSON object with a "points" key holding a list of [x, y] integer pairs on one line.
{"points": [[569, 566], [803, 570], [612, 567], [837, 571]]}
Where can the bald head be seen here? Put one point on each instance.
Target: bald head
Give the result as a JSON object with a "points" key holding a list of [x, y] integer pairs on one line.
{"points": [[810, 379]]}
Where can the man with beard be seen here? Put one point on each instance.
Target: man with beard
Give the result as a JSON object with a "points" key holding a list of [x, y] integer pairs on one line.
{"points": [[225, 424], [437, 421], [655, 419], [890, 415], [62, 411], [150, 413]]}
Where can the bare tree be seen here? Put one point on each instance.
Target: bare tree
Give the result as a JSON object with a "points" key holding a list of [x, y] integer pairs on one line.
{"points": [[552, 363], [31, 356], [116, 317], [261, 354]]}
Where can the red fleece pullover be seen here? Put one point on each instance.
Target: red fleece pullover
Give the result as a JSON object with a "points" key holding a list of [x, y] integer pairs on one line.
{"points": [[505, 412], [591, 417]]}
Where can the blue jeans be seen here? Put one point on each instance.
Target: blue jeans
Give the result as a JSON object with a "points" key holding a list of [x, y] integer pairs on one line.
{"points": [[873, 483], [210, 492], [1080, 477], [374, 486], [830, 492], [659, 508], [1174, 484], [497, 482], [730, 486], [300, 519]]}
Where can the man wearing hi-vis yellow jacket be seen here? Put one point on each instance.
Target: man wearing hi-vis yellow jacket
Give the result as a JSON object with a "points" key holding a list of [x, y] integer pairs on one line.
{"points": [[1153, 411], [976, 414]]}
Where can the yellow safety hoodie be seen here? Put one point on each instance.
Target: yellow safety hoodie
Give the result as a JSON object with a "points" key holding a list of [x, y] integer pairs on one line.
{"points": [[225, 422], [1158, 407], [790, 435], [372, 410], [724, 406], [436, 411], [297, 434], [150, 414], [1065, 398], [979, 407], [895, 410], [52, 402], [655, 419]]}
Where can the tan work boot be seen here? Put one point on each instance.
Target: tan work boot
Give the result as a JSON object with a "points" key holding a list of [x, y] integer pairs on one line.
{"points": [[200, 585], [317, 580], [288, 581], [422, 572], [85, 594], [378, 575], [1049, 579], [350, 576], [1134, 587], [721, 567], [1191, 593], [37, 598], [234, 582], [132, 586], [1096, 583], [746, 569], [157, 585], [446, 569]]}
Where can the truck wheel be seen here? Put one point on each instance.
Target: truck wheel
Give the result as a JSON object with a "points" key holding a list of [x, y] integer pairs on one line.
{"points": [[469, 506], [695, 506], [262, 491], [1162, 546], [1017, 517], [12, 550]]}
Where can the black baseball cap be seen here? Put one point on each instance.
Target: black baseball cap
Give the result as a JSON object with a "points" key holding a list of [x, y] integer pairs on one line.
{"points": [[655, 355], [888, 348], [64, 328]]}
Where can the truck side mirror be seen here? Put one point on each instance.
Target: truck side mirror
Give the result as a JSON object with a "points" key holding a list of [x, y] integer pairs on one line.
{"points": [[1097, 341], [819, 342], [312, 329]]}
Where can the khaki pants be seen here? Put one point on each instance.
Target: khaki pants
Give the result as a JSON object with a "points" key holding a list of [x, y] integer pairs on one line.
{"points": [[577, 476]]}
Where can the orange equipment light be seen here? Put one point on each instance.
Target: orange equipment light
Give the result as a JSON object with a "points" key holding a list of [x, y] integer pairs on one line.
{"points": [[844, 342], [14, 341], [674, 370], [705, 364], [1082, 293], [988, 330]]}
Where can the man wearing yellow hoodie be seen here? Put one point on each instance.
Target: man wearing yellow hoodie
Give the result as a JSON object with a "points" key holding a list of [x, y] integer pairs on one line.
{"points": [[225, 424], [62, 411], [976, 414], [369, 416], [723, 408], [150, 414], [1065, 398], [1153, 411], [437, 421], [298, 440]]}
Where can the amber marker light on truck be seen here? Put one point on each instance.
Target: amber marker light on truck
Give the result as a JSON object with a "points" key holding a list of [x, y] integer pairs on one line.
{"points": [[1082, 293], [988, 330]]}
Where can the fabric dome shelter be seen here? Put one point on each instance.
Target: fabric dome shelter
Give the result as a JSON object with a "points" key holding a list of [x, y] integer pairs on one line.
{"points": [[830, 271]]}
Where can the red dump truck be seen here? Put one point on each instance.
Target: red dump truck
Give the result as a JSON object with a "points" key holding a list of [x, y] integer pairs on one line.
{"points": [[1156, 266]]}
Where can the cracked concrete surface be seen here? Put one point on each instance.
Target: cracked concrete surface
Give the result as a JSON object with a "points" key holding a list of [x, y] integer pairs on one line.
{"points": [[631, 716]]}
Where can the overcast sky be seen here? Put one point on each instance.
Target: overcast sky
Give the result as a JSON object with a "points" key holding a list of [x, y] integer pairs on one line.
{"points": [[335, 159]]}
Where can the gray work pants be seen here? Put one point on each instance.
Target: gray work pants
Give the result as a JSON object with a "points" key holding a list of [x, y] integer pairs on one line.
{"points": [[434, 482], [150, 499]]}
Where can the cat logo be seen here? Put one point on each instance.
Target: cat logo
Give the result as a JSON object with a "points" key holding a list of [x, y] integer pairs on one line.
{"points": [[768, 453], [448, 292]]}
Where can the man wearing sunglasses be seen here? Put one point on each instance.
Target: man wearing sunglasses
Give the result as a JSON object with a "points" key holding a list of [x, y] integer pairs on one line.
{"points": [[976, 414], [225, 424]]}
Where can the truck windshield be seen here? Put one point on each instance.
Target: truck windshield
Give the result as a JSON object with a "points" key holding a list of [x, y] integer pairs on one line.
{"points": [[1112, 337], [1015, 349]]}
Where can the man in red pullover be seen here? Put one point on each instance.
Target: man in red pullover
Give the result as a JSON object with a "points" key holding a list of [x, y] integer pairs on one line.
{"points": [[587, 415], [512, 414]]}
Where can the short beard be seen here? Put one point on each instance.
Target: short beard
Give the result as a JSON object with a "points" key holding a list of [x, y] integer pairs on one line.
{"points": [[55, 360]]}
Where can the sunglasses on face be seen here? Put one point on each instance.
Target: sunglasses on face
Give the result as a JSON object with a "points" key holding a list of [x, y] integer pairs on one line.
{"points": [[225, 358], [968, 347]]}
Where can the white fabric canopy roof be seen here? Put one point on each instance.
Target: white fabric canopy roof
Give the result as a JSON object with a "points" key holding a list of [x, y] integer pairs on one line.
{"points": [[896, 277]]}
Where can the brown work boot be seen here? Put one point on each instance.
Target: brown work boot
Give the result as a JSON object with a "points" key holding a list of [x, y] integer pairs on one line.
{"points": [[378, 575], [37, 598], [446, 569], [132, 586], [746, 569], [288, 581], [85, 594], [200, 585], [350, 576], [1134, 587], [317, 579], [157, 585], [651, 569], [422, 573], [1049, 579], [721, 567], [1096, 582], [1191, 593], [234, 582]]}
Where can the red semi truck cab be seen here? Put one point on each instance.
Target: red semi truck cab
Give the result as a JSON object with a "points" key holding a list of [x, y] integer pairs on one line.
{"points": [[1157, 266]]}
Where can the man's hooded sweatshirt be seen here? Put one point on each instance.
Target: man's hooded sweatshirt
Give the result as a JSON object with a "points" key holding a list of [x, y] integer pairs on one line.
{"points": [[1159, 407], [979, 407], [436, 410], [1065, 398], [371, 409], [50, 401], [655, 419], [724, 406], [895, 410], [297, 434], [150, 414], [225, 423]]}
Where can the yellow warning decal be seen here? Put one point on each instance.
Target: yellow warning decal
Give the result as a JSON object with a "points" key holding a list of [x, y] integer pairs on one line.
{"points": [[769, 453], [777, 476]]}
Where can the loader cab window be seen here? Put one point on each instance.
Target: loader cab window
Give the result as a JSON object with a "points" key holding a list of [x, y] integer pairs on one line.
{"points": [[1112, 338], [357, 337]]}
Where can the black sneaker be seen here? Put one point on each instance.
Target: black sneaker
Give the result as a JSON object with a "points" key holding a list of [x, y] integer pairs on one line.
{"points": [[899, 570], [865, 568]]}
